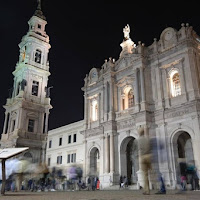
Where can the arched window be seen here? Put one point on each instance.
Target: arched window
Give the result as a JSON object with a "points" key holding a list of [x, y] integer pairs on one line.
{"points": [[130, 98], [38, 56], [175, 83], [94, 110], [127, 98]]}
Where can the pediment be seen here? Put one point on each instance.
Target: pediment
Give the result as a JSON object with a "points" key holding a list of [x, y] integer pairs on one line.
{"points": [[32, 115], [125, 81]]}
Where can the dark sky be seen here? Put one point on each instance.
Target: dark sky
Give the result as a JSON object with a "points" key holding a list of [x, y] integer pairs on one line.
{"points": [[82, 36]]}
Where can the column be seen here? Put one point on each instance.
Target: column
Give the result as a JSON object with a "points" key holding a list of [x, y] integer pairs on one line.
{"points": [[85, 107], [111, 95], [19, 119], [182, 79], [5, 122], [166, 88], [41, 122], [136, 87], [142, 83], [99, 108], [112, 153], [105, 101], [106, 154], [101, 104], [46, 122], [146, 130], [159, 87]]}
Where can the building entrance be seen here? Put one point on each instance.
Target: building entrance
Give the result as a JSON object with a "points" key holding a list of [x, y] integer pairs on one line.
{"points": [[94, 162], [129, 159]]}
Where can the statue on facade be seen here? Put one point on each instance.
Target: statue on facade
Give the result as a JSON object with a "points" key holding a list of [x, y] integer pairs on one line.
{"points": [[47, 90], [23, 84], [126, 31]]}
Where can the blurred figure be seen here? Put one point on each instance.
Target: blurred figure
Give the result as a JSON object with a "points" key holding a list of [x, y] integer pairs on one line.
{"points": [[120, 181], [72, 177], [144, 148], [89, 183], [183, 182], [162, 189], [190, 170], [196, 180]]}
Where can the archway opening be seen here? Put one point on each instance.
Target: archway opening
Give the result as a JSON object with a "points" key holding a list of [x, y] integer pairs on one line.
{"points": [[183, 152], [129, 159], [94, 162]]}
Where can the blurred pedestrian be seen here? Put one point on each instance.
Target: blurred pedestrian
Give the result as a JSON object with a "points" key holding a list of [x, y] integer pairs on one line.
{"points": [[144, 148], [89, 183], [183, 182]]}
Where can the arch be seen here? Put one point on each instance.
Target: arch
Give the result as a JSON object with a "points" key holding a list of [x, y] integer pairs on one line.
{"points": [[28, 156], [175, 83], [181, 150], [127, 97], [94, 161], [129, 163]]}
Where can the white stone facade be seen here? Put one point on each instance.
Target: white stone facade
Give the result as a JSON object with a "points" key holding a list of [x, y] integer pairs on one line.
{"points": [[28, 104], [157, 87]]}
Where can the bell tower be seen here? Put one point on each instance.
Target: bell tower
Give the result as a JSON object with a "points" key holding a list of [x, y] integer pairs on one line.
{"points": [[27, 107]]}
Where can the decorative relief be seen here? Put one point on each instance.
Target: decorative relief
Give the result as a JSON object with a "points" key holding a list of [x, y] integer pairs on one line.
{"points": [[178, 113], [37, 77], [171, 64], [94, 132], [125, 124]]}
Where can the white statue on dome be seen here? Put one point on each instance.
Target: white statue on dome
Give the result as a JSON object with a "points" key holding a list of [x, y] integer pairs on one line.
{"points": [[126, 31]]}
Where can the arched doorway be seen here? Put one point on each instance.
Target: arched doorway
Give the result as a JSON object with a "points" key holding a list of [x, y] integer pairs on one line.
{"points": [[183, 152], [28, 156], [129, 159], [94, 161]]}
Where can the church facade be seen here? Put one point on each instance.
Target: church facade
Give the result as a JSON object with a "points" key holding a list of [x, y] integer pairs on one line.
{"points": [[156, 87], [27, 107]]}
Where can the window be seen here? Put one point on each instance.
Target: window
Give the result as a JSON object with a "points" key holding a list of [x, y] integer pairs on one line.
{"points": [[74, 140], [71, 158], [60, 141], [35, 87], [130, 98], [175, 83], [50, 143], [13, 125], [31, 125], [127, 98], [69, 139], [49, 162], [38, 56], [59, 159], [94, 110], [39, 26], [68, 158]]}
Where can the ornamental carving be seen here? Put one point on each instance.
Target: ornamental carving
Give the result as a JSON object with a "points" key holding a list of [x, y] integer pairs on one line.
{"points": [[178, 113], [171, 64], [125, 124], [37, 77], [94, 132]]}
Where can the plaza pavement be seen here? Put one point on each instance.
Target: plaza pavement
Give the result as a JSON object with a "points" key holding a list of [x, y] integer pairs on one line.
{"points": [[101, 195]]}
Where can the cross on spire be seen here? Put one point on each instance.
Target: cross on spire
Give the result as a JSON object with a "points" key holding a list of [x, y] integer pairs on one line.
{"points": [[38, 11], [39, 7]]}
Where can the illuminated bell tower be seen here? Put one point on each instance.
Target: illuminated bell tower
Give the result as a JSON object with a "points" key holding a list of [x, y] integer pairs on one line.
{"points": [[28, 105]]}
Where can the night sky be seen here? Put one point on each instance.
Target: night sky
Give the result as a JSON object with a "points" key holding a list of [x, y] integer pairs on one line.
{"points": [[82, 35]]}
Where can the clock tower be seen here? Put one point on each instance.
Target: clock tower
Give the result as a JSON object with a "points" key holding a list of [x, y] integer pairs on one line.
{"points": [[27, 107]]}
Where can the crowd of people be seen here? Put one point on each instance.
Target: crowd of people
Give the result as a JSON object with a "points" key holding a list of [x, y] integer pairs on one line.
{"points": [[56, 180]]}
